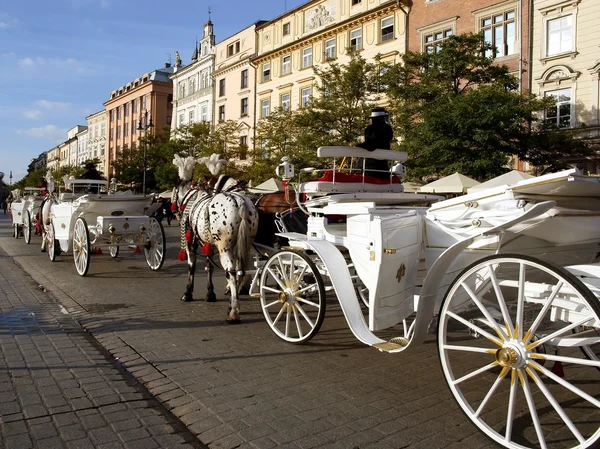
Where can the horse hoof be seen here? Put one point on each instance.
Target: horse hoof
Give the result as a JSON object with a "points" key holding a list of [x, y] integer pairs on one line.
{"points": [[44, 250], [233, 321], [212, 298], [187, 298]]}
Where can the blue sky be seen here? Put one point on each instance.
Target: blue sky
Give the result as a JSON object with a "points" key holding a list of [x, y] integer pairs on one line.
{"points": [[60, 59]]}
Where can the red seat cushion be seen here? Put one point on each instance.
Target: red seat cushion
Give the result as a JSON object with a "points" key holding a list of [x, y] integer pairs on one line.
{"points": [[347, 177]]}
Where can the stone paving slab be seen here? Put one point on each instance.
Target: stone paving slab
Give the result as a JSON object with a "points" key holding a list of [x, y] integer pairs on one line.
{"points": [[240, 386], [59, 389]]}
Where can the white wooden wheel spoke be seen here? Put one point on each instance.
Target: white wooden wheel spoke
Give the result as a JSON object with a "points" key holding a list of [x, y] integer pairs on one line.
{"points": [[512, 400], [483, 309], [475, 328], [520, 302], [287, 320], [270, 289], [307, 288], [532, 410], [266, 306], [276, 278], [282, 268], [283, 308], [297, 320], [569, 386], [470, 349], [563, 359], [538, 319], [477, 372], [306, 317], [301, 274], [540, 384], [491, 391], [560, 332], [307, 302], [500, 298]]}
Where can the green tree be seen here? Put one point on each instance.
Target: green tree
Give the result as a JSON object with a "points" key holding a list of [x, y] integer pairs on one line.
{"points": [[456, 110], [75, 171]]}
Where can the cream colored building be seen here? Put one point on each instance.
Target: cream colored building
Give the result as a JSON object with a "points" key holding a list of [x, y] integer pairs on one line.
{"points": [[315, 33], [566, 64], [234, 79], [52, 159], [97, 137], [193, 84]]}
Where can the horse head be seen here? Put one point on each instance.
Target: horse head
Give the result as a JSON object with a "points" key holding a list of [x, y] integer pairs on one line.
{"points": [[49, 182]]}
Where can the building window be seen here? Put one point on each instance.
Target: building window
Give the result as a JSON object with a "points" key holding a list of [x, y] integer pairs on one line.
{"points": [[112, 114], [356, 2], [222, 87], [244, 107], [285, 102], [181, 119], [330, 49], [222, 113], [181, 90], [387, 29], [233, 49], [433, 41], [168, 123], [101, 149], [266, 71], [135, 106], [560, 115], [170, 101], [144, 103], [243, 147], [119, 113], [265, 108], [133, 128], [305, 96], [559, 35], [499, 31], [191, 117], [286, 28], [126, 106], [103, 130], [118, 131], [356, 39], [244, 79], [205, 113], [126, 130], [192, 82], [306, 57], [286, 65]]}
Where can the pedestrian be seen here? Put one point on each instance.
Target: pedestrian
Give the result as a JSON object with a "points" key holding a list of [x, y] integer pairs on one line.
{"points": [[4, 206], [378, 136], [167, 211]]}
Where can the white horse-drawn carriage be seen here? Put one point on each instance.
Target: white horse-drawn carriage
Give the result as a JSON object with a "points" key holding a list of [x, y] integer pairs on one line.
{"points": [[87, 219], [25, 212], [510, 280]]}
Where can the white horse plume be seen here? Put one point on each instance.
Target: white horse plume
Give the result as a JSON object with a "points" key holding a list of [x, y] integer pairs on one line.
{"points": [[49, 181], [213, 163], [185, 166]]}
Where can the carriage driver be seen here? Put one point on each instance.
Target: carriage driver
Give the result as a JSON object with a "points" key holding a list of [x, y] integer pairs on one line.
{"points": [[378, 135]]}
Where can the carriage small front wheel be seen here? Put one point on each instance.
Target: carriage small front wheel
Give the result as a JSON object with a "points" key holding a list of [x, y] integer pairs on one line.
{"points": [[155, 248], [27, 227], [81, 246], [292, 296], [52, 245], [510, 356]]}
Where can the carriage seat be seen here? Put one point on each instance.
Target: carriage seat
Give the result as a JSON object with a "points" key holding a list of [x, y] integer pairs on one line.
{"points": [[70, 196], [339, 182]]}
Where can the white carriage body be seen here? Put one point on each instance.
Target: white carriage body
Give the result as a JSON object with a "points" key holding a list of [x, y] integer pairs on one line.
{"points": [[387, 234], [30, 202]]}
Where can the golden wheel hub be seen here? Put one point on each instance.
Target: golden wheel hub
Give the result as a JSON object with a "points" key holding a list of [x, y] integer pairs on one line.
{"points": [[282, 297], [506, 357]]}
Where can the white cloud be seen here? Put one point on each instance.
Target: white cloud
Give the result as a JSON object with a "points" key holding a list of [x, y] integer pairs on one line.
{"points": [[7, 22], [32, 115], [48, 132], [69, 65], [52, 105]]}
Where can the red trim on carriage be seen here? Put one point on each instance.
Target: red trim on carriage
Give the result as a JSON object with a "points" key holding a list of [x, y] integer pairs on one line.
{"points": [[347, 177]]}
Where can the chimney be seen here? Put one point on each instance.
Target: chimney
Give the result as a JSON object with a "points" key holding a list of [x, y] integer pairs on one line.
{"points": [[167, 65]]}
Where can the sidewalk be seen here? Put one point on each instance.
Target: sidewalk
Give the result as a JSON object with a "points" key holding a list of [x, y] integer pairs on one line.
{"points": [[60, 389]]}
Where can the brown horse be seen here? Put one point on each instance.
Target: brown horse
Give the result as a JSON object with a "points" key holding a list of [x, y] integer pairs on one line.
{"points": [[277, 212]]}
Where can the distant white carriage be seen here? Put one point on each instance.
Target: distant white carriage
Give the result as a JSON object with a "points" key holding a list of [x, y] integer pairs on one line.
{"points": [[25, 212], [510, 280], [81, 222]]}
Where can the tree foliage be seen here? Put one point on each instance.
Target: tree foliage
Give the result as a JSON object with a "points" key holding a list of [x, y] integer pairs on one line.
{"points": [[456, 110]]}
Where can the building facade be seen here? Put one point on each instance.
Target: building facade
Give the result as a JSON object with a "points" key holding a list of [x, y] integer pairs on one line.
{"points": [[82, 146], [505, 25], [193, 84], [97, 137], [566, 67], [234, 79], [52, 158], [69, 156], [38, 163], [133, 105], [315, 33]]}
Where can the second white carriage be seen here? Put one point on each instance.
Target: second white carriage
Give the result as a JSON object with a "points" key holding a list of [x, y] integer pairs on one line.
{"points": [[85, 222]]}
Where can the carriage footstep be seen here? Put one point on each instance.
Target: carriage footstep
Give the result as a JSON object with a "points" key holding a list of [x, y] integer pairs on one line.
{"points": [[393, 345]]}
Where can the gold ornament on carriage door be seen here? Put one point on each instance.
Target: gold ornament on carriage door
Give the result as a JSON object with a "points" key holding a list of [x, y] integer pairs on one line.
{"points": [[401, 272]]}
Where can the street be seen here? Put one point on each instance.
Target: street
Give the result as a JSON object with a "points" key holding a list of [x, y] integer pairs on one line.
{"points": [[239, 386]]}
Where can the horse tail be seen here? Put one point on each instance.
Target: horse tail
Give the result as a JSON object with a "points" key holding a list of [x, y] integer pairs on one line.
{"points": [[243, 236]]}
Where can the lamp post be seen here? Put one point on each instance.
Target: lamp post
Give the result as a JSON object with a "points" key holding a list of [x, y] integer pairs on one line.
{"points": [[10, 179], [144, 127]]}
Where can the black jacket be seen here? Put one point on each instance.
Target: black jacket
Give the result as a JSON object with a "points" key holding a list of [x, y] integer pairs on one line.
{"points": [[378, 136]]}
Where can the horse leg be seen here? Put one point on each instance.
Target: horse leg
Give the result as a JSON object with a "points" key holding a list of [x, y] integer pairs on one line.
{"points": [[191, 254], [210, 288], [229, 266]]}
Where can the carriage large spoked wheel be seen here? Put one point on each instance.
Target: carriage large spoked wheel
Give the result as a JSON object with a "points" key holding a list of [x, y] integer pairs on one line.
{"points": [[81, 246], [27, 226], [292, 296], [510, 332], [155, 249], [51, 243]]}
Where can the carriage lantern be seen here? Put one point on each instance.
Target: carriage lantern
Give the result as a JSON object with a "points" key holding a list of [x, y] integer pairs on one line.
{"points": [[285, 170]]}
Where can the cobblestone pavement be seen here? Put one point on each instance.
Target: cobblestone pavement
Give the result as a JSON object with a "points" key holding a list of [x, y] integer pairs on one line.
{"points": [[240, 386]]}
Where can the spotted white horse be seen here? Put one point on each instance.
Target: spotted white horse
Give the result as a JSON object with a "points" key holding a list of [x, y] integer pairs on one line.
{"points": [[44, 219], [221, 221]]}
